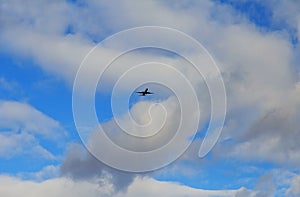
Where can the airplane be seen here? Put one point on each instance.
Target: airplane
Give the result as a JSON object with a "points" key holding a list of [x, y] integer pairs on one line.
{"points": [[144, 93]]}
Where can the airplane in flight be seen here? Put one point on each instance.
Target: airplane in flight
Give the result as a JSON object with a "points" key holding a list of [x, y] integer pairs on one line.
{"points": [[144, 93]]}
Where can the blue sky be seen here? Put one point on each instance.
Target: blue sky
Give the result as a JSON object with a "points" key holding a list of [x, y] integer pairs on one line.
{"points": [[255, 45]]}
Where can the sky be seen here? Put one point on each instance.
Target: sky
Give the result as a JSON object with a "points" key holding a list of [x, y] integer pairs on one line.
{"points": [[69, 71]]}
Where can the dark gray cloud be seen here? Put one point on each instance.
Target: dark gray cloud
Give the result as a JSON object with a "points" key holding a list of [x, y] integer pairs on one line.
{"points": [[80, 165]]}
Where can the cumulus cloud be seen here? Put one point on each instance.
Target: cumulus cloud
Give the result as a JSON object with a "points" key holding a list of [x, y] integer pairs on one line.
{"points": [[21, 125], [47, 172], [150, 187], [21, 116], [156, 120], [274, 135], [152, 119], [43, 36], [61, 187]]}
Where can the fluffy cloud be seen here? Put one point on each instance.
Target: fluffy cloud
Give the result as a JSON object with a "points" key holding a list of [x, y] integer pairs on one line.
{"points": [[155, 120], [44, 37], [61, 187], [21, 116], [13, 145], [47, 172], [20, 125], [158, 122], [150, 187], [274, 135]]}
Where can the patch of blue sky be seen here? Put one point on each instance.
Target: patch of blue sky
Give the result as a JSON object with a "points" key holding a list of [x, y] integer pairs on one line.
{"points": [[69, 30], [24, 163], [79, 3], [255, 11], [201, 131], [103, 107], [46, 93]]}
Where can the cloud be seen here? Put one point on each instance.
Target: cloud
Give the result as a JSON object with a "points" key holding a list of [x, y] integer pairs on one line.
{"points": [[274, 135], [22, 144], [47, 172], [21, 116], [56, 54], [61, 187], [43, 38], [159, 120], [81, 165], [22, 127], [151, 187], [157, 116], [51, 18], [261, 80]]}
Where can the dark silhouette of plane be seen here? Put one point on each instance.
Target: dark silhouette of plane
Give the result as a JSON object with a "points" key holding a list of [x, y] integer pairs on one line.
{"points": [[144, 93]]}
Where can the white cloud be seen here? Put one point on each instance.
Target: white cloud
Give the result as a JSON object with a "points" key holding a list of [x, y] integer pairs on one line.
{"points": [[47, 172], [133, 13], [151, 187], [156, 119], [48, 17], [21, 116], [61, 187], [22, 127], [41, 35], [60, 55], [274, 135], [13, 144]]}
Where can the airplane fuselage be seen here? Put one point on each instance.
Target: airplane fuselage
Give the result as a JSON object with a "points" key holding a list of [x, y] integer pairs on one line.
{"points": [[144, 93]]}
